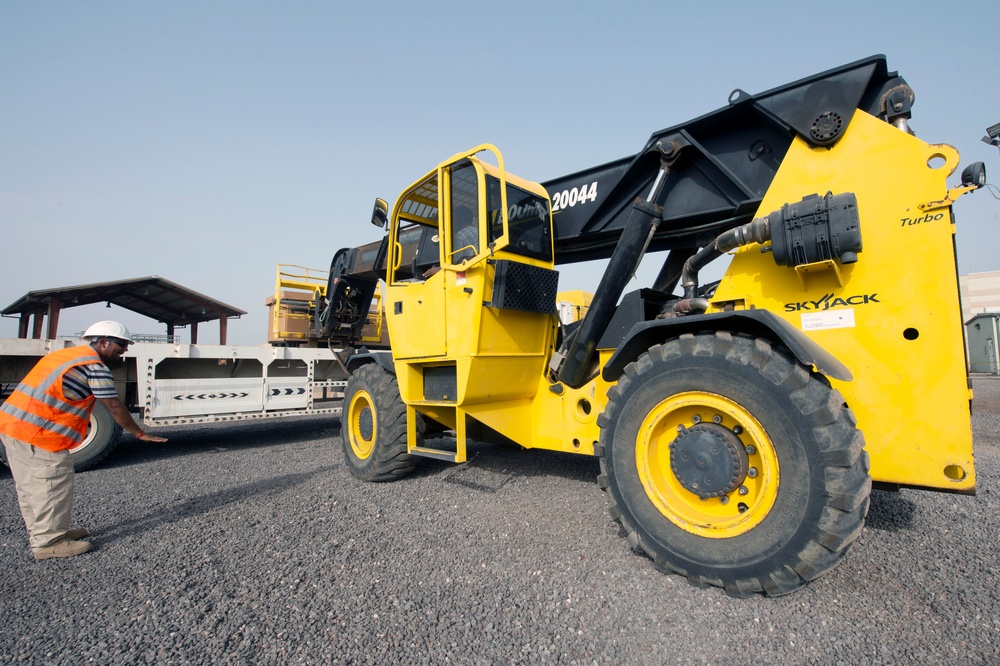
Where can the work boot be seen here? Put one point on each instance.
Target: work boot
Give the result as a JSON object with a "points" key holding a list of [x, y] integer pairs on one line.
{"points": [[76, 534], [64, 548]]}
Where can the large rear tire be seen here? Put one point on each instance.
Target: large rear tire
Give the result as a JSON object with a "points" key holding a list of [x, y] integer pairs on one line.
{"points": [[730, 463], [373, 430]]}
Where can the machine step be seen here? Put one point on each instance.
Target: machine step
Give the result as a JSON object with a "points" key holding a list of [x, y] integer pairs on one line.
{"points": [[437, 454]]}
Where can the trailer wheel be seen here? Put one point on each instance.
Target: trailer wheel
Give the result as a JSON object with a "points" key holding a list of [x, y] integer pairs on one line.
{"points": [[730, 463], [373, 432], [102, 438]]}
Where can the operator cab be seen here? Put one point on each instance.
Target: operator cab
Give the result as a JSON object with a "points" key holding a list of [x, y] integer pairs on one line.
{"points": [[470, 271]]}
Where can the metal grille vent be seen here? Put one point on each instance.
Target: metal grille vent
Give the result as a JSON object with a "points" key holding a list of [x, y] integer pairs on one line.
{"points": [[523, 287]]}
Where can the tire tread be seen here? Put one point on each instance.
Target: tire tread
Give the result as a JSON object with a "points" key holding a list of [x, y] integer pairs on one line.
{"points": [[389, 460], [846, 484]]}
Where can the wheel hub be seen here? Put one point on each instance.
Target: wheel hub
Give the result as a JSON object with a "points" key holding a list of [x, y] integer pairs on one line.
{"points": [[708, 460], [366, 425]]}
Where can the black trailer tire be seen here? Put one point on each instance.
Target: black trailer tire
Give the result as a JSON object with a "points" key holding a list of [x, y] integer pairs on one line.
{"points": [[791, 488], [373, 429], [102, 438]]}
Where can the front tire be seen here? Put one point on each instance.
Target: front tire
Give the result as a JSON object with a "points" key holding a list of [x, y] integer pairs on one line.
{"points": [[729, 463], [373, 430]]}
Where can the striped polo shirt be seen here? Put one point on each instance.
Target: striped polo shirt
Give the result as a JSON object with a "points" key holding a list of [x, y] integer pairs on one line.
{"points": [[96, 378]]}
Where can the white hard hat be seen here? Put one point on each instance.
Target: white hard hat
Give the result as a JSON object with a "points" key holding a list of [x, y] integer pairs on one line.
{"points": [[108, 329]]}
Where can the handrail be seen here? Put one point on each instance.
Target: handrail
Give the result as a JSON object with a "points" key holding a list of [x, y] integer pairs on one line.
{"points": [[311, 281]]}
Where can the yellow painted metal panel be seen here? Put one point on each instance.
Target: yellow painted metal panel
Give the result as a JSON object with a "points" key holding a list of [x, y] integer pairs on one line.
{"points": [[893, 317]]}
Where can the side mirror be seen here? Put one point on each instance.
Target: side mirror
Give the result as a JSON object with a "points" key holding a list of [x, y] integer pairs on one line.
{"points": [[380, 214]]}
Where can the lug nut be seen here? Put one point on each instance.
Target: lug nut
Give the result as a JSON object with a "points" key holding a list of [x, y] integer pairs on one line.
{"points": [[744, 490], [724, 499], [696, 418], [716, 419], [752, 472], [751, 449], [737, 430]]}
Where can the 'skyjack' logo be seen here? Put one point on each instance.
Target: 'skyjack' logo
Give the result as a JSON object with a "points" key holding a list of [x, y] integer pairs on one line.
{"points": [[828, 301]]}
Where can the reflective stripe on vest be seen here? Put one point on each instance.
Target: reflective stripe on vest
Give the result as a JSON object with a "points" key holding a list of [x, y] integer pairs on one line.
{"points": [[39, 413]]}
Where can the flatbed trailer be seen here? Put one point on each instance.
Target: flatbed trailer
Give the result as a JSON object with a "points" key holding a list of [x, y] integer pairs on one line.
{"points": [[175, 384]]}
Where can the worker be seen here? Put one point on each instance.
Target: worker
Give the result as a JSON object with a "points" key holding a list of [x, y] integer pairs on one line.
{"points": [[45, 417]]}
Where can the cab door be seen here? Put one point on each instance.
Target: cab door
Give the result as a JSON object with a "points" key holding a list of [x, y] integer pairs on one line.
{"points": [[415, 303], [437, 257]]}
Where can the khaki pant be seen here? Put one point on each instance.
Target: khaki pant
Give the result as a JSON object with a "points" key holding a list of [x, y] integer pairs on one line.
{"points": [[44, 482]]}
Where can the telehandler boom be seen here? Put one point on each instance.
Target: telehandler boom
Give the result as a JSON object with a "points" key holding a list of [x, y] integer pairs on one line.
{"points": [[740, 424]]}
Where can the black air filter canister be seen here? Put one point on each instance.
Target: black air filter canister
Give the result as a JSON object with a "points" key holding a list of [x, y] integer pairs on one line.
{"points": [[818, 228]]}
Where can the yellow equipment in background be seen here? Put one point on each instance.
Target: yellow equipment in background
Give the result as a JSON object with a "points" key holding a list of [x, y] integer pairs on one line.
{"points": [[299, 298]]}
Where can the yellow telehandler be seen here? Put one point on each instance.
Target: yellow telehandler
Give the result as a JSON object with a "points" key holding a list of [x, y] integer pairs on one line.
{"points": [[740, 424]]}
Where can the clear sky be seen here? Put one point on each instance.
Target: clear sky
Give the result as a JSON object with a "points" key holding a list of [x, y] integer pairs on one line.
{"points": [[207, 142]]}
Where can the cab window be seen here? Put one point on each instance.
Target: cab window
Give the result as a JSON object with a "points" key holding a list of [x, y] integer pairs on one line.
{"points": [[464, 212], [417, 232], [528, 219]]}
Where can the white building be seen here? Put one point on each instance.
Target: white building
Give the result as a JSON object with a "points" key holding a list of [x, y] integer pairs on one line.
{"points": [[980, 293]]}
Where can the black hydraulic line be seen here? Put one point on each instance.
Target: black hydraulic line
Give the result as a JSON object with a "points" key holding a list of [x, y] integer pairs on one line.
{"points": [[756, 231], [690, 306], [672, 269], [689, 278]]}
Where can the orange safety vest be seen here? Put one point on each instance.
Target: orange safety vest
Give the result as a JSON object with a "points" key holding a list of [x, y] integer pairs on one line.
{"points": [[39, 413]]}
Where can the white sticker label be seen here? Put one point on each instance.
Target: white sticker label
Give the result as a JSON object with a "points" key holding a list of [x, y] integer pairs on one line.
{"points": [[818, 321], [460, 278]]}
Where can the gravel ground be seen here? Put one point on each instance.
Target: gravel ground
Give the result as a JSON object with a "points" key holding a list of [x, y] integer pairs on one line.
{"points": [[251, 543]]}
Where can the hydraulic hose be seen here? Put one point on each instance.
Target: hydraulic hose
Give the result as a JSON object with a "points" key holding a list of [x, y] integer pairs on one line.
{"points": [[755, 231]]}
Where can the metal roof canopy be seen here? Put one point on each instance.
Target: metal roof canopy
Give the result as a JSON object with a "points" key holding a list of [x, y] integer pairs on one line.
{"points": [[154, 297]]}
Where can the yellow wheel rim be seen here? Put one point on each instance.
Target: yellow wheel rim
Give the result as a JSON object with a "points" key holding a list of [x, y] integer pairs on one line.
{"points": [[740, 510], [362, 424]]}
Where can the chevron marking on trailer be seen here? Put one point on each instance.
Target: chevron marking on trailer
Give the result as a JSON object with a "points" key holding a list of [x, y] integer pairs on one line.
{"points": [[288, 391], [211, 396]]}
